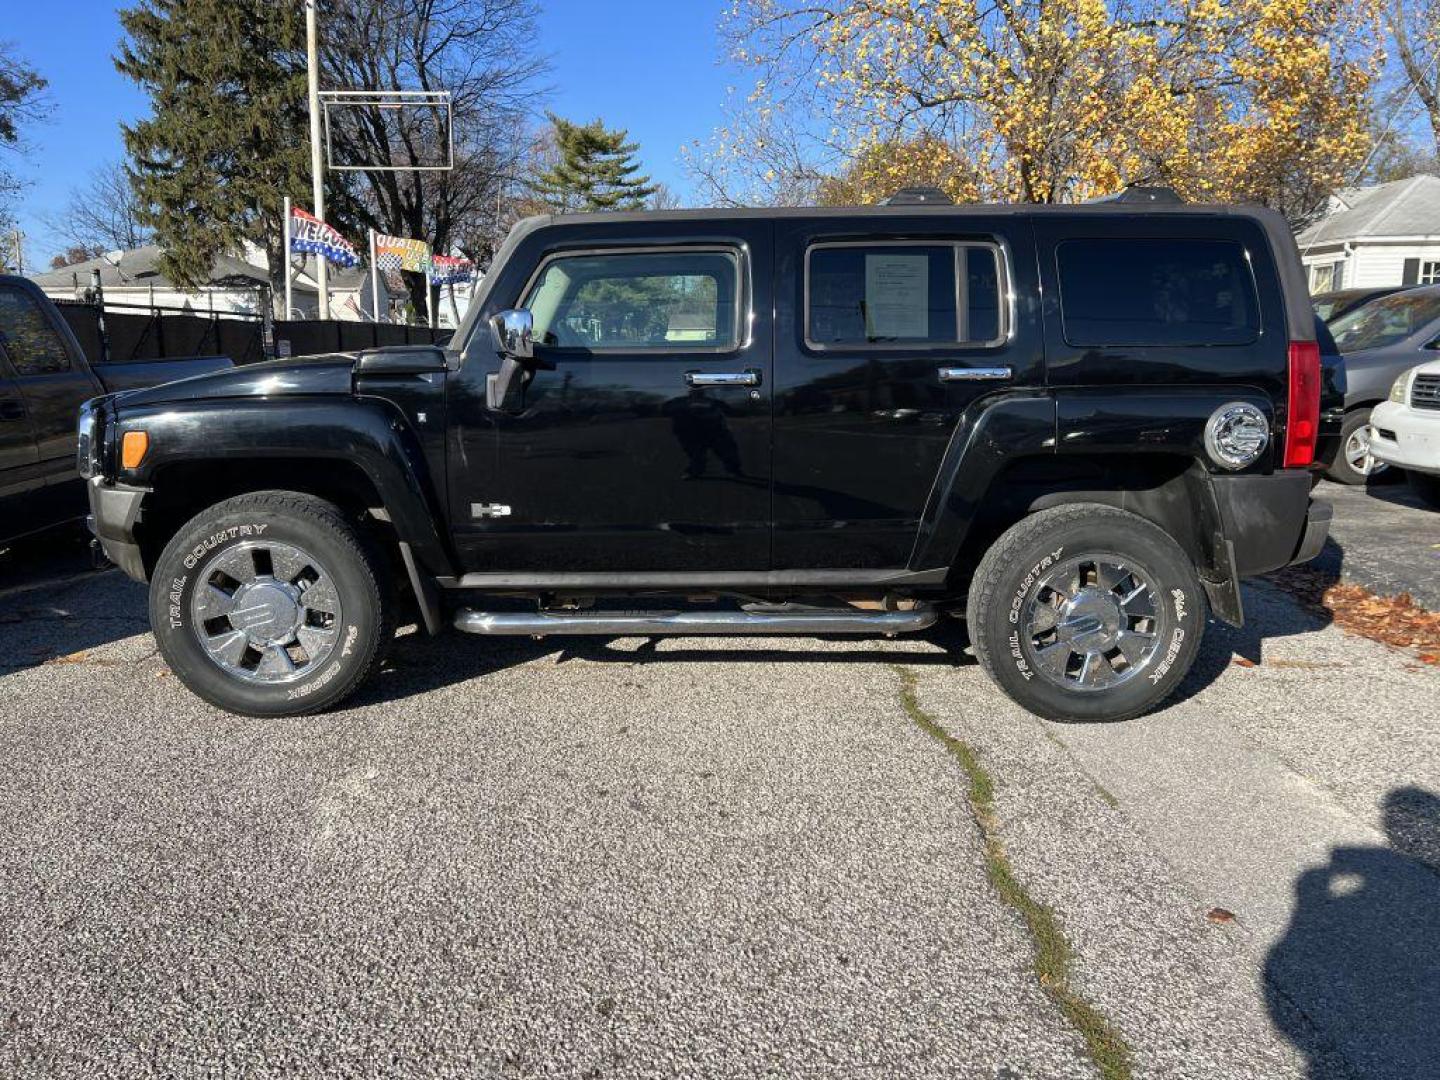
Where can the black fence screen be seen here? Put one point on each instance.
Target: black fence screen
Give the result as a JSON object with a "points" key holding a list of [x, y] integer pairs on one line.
{"points": [[327, 335], [154, 334]]}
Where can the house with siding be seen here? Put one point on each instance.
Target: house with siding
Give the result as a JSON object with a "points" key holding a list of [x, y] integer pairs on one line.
{"points": [[1377, 236], [236, 285]]}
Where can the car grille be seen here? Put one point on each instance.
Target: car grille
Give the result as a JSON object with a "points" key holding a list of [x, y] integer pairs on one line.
{"points": [[1425, 392]]}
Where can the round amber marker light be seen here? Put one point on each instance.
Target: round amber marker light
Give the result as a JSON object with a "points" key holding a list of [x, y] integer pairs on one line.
{"points": [[132, 448]]}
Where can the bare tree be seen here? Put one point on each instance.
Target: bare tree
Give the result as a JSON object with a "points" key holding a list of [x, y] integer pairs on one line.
{"points": [[479, 50], [1415, 27], [104, 215], [22, 102]]}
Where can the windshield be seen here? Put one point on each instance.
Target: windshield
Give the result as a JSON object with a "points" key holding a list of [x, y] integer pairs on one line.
{"points": [[1385, 321]]}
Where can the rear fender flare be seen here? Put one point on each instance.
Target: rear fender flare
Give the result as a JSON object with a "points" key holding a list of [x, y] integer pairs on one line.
{"points": [[991, 433]]}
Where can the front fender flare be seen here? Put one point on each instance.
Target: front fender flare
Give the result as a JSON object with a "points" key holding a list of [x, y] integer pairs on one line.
{"points": [[370, 434]]}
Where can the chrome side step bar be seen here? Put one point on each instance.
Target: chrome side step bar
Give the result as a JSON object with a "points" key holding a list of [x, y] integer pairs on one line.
{"points": [[641, 624]]}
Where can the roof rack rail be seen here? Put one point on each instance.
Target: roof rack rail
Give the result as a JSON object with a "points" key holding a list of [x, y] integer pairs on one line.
{"points": [[919, 196], [1142, 194]]}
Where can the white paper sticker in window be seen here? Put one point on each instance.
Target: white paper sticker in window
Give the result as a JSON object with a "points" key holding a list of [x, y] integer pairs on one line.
{"points": [[897, 296]]}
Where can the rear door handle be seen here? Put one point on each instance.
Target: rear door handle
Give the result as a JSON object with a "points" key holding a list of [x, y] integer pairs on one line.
{"points": [[973, 374], [722, 378], [12, 409]]}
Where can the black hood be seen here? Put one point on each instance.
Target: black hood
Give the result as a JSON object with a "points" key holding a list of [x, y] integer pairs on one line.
{"points": [[328, 373]]}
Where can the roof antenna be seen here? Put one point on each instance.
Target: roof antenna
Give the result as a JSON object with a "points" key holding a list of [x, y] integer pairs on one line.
{"points": [[1142, 195], [919, 196]]}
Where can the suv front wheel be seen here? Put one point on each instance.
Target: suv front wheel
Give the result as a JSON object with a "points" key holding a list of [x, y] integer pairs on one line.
{"points": [[271, 604], [1086, 612]]}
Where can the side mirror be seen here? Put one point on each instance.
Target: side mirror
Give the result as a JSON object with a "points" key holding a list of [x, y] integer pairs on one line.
{"points": [[1433, 344], [515, 333]]}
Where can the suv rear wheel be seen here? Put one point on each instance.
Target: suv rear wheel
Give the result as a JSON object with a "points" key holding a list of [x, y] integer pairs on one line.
{"points": [[1085, 612], [271, 604]]}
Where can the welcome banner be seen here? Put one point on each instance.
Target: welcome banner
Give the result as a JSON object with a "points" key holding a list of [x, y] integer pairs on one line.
{"points": [[311, 236]]}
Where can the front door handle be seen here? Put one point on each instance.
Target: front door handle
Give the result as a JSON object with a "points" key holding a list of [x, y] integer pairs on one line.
{"points": [[973, 374], [725, 378], [12, 409]]}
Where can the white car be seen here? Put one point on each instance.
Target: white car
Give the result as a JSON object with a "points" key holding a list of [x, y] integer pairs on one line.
{"points": [[1405, 431]]}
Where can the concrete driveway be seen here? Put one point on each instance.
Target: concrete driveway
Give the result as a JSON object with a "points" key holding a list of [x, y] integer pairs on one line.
{"points": [[714, 858]]}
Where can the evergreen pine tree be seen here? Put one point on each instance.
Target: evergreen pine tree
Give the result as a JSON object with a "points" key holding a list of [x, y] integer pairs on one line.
{"points": [[596, 170], [228, 138]]}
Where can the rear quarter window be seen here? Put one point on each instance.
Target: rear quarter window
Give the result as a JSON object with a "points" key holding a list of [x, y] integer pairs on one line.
{"points": [[1161, 292]]}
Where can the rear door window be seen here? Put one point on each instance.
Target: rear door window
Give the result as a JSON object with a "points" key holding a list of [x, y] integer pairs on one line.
{"points": [[903, 295], [1159, 292], [33, 345]]}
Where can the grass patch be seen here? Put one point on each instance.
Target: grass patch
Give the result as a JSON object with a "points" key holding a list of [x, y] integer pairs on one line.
{"points": [[1105, 1045]]}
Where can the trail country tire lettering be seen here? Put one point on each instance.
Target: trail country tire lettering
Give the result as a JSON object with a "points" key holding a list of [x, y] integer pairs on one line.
{"points": [[198, 552]]}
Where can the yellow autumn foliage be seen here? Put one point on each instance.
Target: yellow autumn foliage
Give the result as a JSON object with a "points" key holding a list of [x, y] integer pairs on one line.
{"points": [[1061, 100]]}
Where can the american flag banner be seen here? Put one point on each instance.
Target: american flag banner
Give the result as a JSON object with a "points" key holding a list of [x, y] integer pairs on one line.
{"points": [[450, 270], [398, 253], [311, 236]]}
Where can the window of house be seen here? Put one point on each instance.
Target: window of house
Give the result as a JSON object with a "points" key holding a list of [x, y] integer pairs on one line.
{"points": [[1430, 273], [32, 343], [1156, 292], [635, 300], [903, 295]]}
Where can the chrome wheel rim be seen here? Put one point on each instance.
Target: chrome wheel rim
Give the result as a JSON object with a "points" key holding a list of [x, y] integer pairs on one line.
{"points": [[1358, 454], [1092, 623], [266, 612]]}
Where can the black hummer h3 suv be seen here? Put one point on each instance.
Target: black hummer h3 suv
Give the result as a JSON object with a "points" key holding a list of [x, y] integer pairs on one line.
{"points": [[1077, 427]]}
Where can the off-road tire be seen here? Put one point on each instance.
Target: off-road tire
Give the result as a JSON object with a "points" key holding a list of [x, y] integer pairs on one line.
{"points": [[1010, 575], [1340, 470], [313, 525]]}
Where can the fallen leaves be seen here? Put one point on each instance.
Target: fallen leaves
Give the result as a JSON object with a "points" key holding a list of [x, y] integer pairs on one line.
{"points": [[70, 658], [1220, 915], [1391, 620]]}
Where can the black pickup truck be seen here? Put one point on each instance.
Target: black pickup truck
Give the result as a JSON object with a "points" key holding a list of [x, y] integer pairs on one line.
{"points": [[1077, 428], [44, 378]]}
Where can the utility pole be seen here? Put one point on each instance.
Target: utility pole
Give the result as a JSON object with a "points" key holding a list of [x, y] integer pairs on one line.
{"points": [[317, 165]]}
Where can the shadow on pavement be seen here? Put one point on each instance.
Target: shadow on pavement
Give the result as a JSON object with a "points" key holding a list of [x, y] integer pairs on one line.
{"points": [[53, 602], [1360, 960], [1265, 619]]}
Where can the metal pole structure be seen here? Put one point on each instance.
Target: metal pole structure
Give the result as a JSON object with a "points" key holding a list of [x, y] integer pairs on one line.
{"points": [[19, 253], [317, 165], [289, 290], [374, 279], [100, 327]]}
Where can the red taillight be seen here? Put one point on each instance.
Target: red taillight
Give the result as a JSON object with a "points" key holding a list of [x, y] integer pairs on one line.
{"points": [[1303, 424]]}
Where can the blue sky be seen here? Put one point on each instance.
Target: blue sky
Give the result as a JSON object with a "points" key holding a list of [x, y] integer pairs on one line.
{"points": [[651, 66]]}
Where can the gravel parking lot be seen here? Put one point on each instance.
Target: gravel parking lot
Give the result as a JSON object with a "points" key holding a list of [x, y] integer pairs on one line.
{"points": [[691, 857]]}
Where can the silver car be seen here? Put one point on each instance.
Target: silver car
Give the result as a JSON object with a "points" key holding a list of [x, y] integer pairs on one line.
{"points": [[1380, 341]]}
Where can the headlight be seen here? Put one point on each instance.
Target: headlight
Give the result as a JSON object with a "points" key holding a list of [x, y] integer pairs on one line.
{"points": [[1399, 387], [1236, 435], [87, 449]]}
